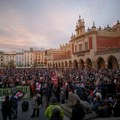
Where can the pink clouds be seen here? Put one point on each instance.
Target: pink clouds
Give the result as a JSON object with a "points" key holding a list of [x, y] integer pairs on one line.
{"points": [[45, 23]]}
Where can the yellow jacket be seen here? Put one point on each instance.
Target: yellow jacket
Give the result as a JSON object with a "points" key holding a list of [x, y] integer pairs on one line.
{"points": [[48, 111]]}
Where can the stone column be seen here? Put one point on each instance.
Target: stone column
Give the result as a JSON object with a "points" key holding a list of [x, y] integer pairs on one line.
{"points": [[94, 64], [106, 64]]}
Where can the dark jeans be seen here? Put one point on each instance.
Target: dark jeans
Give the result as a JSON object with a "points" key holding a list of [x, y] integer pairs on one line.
{"points": [[14, 112], [35, 112]]}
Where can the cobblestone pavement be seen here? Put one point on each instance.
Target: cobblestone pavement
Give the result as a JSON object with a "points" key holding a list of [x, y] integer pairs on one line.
{"points": [[26, 115]]}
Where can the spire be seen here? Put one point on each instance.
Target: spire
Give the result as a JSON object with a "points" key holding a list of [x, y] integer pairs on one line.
{"points": [[94, 27], [83, 20], [72, 36], [76, 24], [80, 21], [118, 22], [79, 18], [88, 29], [83, 23], [108, 26], [99, 27]]}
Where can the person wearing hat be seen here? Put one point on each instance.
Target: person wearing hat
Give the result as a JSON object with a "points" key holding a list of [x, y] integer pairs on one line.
{"points": [[37, 102], [54, 111]]}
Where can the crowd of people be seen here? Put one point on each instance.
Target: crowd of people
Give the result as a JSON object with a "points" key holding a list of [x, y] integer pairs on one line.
{"points": [[99, 87]]}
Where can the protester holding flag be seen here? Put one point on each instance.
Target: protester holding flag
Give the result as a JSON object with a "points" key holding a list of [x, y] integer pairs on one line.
{"points": [[14, 101]]}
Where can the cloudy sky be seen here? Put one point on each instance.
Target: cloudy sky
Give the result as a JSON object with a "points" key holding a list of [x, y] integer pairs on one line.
{"points": [[49, 23]]}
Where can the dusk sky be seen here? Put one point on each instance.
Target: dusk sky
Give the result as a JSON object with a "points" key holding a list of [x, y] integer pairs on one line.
{"points": [[49, 23]]}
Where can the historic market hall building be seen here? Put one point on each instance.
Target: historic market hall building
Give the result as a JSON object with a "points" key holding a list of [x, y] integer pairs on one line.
{"points": [[96, 48]]}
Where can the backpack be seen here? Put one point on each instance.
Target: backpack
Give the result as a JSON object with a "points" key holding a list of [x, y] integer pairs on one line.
{"points": [[55, 113]]}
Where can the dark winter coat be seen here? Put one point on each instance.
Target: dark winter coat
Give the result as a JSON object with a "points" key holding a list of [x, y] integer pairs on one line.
{"points": [[77, 113]]}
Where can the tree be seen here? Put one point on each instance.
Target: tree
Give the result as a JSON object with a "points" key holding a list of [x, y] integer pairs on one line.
{"points": [[11, 64], [35, 65]]}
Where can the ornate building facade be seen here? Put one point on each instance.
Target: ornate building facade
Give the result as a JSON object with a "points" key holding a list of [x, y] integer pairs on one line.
{"points": [[96, 48]]}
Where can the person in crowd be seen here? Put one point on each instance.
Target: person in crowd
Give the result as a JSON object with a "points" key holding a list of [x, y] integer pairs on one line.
{"points": [[62, 95], [96, 103], [7, 109], [36, 105], [54, 111], [116, 106], [14, 102], [1, 83], [105, 81], [77, 111], [46, 91]]}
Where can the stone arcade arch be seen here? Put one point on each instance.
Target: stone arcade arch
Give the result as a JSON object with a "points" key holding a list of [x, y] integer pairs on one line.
{"points": [[88, 63], [81, 64], [70, 64], [75, 64], [100, 63], [58, 64], [50, 65], [53, 65], [66, 64], [62, 64], [112, 63]]}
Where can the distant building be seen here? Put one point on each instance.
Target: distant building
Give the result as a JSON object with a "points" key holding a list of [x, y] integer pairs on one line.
{"points": [[39, 58], [19, 59], [1, 59], [10, 59], [28, 58], [25, 59]]}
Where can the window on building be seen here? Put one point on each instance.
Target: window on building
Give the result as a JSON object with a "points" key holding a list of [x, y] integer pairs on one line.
{"points": [[75, 48], [80, 47], [86, 45]]}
